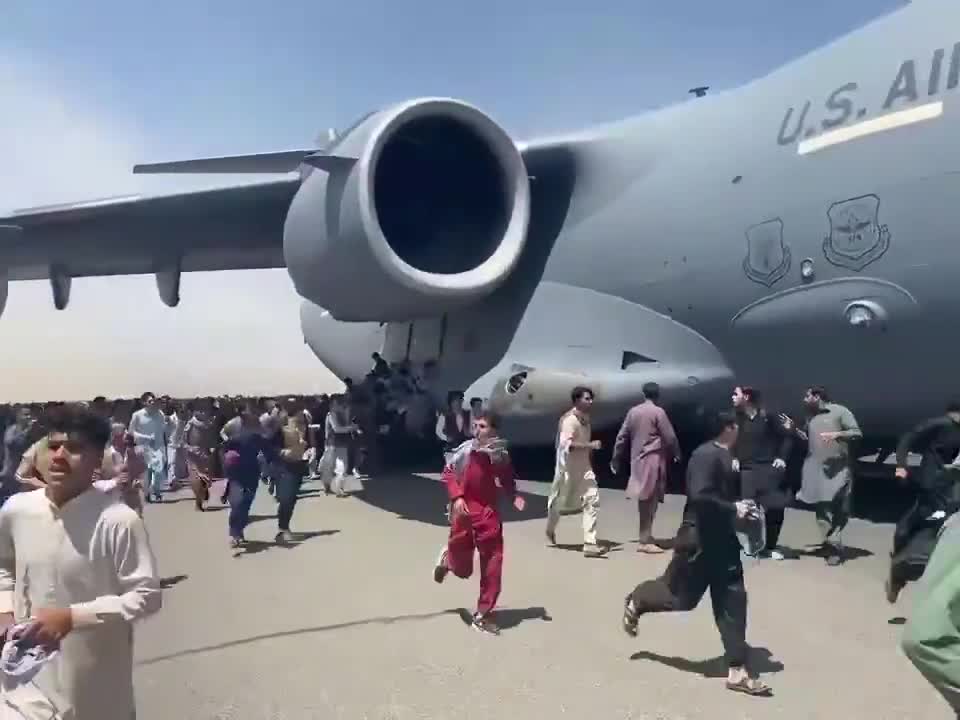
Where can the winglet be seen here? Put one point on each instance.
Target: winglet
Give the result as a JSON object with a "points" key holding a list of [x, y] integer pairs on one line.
{"points": [[330, 163]]}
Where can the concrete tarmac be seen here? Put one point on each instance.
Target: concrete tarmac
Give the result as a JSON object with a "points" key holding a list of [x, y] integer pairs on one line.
{"points": [[348, 623]]}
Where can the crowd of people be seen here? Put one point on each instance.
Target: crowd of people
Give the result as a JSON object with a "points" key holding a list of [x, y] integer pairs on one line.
{"points": [[737, 489], [75, 554]]}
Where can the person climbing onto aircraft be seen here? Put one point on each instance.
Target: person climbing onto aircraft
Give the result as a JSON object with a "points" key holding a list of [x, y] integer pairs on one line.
{"points": [[477, 468], [574, 487], [938, 495]]}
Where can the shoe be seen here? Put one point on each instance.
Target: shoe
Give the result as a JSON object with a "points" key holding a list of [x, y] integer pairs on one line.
{"points": [[772, 555], [440, 569], [481, 623], [236, 542], [551, 538], [594, 551], [284, 537], [834, 560], [650, 549]]}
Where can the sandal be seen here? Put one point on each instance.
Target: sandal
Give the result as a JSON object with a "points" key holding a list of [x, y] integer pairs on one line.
{"points": [[630, 618], [750, 686]]}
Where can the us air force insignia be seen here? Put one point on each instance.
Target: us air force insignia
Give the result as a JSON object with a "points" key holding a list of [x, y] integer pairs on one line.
{"points": [[856, 236], [768, 258]]}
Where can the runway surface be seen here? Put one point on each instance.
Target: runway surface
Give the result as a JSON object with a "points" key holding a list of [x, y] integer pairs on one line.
{"points": [[349, 624]]}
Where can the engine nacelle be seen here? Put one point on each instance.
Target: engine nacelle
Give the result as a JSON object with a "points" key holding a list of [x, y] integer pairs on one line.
{"points": [[431, 214]]}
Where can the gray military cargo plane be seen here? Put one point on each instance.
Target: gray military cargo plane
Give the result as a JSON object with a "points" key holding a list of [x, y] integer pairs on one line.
{"points": [[801, 229]]}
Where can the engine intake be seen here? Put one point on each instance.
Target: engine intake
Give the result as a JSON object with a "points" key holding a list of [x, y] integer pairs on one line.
{"points": [[432, 214]]}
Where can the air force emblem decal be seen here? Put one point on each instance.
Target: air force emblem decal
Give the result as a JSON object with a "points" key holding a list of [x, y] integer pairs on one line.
{"points": [[856, 236], [768, 258]]}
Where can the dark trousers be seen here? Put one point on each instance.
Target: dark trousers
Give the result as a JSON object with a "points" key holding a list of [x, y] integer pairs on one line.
{"points": [[765, 485], [288, 482], [684, 583], [773, 518], [240, 498]]}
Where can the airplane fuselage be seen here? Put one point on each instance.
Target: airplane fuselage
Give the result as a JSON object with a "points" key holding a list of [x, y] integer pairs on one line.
{"points": [[802, 225], [726, 211]]}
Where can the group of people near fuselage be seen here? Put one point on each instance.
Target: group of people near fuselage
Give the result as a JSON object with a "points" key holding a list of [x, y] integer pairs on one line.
{"points": [[737, 478], [81, 470]]}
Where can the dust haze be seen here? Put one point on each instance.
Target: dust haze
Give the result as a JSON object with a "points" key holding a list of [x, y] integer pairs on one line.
{"points": [[234, 332]]}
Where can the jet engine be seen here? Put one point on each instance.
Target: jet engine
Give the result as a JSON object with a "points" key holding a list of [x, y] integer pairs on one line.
{"points": [[418, 209]]}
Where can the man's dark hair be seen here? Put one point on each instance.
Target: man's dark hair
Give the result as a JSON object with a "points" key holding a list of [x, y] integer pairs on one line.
{"points": [[475, 400], [579, 391], [100, 399], [751, 394], [820, 392], [651, 391], [492, 419], [81, 423], [721, 421], [454, 395], [143, 398]]}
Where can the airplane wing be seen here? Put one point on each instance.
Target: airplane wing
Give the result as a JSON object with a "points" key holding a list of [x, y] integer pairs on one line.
{"points": [[238, 227]]}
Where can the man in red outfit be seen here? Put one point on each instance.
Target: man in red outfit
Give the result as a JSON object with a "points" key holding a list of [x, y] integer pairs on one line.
{"points": [[472, 477]]}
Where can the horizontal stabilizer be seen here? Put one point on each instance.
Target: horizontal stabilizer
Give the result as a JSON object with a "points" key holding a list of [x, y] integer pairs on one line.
{"points": [[283, 161]]}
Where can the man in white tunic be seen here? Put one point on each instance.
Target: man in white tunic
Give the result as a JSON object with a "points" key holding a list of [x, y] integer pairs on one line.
{"points": [[78, 563], [574, 488], [148, 427]]}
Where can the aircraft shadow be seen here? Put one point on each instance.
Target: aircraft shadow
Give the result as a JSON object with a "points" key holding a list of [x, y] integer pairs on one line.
{"points": [[412, 497], [386, 620], [760, 661]]}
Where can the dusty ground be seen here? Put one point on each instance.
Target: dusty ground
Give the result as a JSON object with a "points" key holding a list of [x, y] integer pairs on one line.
{"points": [[348, 623]]}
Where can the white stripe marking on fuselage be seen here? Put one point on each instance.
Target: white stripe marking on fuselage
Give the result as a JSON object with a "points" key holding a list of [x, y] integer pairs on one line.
{"points": [[875, 125]]}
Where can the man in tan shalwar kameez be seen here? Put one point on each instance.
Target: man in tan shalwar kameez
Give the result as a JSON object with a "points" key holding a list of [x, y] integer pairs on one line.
{"points": [[647, 436], [574, 487]]}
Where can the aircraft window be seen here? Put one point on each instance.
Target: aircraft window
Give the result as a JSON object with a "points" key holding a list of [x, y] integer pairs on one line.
{"points": [[632, 358], [516, 382]]}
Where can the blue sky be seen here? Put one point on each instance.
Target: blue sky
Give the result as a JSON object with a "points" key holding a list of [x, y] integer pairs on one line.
{"points": [[89, 88]]}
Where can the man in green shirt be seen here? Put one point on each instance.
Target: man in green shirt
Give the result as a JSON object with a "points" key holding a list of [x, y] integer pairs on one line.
{"points": [[827, 469], [931, 638]]}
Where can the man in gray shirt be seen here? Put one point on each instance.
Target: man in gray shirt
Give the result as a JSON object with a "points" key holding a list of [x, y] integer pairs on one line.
{"points": [[827, 469]]}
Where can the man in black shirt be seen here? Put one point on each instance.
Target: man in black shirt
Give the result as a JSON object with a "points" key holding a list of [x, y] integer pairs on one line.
{"points": [[938, 495], [707, 555], [760, 456]]}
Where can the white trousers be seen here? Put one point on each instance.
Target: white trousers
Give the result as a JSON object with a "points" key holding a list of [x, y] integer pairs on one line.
{"points": [[589, 504], [333, 465]]}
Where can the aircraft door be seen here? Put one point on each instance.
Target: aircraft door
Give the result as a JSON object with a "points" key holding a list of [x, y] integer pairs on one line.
{"points": [[417, 341]]}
